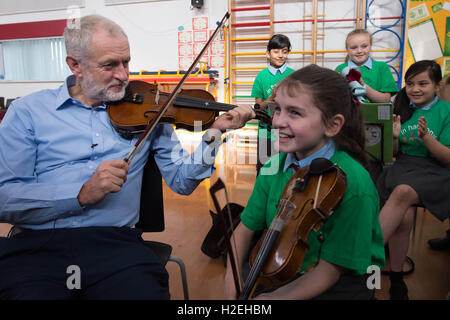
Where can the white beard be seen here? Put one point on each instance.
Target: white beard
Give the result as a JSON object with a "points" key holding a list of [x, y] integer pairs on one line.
{"points": [[99, 93]]}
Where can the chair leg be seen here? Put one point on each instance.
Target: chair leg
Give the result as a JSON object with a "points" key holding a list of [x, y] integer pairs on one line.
{"points": [[183, 275]]}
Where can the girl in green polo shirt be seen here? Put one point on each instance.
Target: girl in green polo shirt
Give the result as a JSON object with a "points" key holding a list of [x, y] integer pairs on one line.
{"points": [[377, 83], [421, 173], [314, 121]]}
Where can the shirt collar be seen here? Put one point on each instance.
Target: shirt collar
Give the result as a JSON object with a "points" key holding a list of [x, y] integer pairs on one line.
{"points": [[427, 107], [64, 95], [274, 70], [327, 151], [367, 64]]}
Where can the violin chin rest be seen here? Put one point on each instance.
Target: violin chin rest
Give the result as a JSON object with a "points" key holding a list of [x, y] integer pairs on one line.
{"points": [[319, 166]]}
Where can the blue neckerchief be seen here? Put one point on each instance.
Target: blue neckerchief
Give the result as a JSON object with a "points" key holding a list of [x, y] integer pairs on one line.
{"points": [[427, 107], [327, 151], [274, 70], [367, 64]]}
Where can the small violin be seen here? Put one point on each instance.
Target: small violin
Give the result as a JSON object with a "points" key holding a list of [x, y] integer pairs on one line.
{"points": [[143, 100], [308, 199]]}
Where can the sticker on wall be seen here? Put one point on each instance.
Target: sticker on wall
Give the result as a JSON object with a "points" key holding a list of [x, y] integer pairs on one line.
{"points": [[184, 36], [218, 47], [198, 46], [217, 61], [185, 62], [200, 23], [185, 49], [201, 36]]}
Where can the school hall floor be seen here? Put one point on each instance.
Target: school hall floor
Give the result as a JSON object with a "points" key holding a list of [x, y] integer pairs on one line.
{"points": [[187, 222]]}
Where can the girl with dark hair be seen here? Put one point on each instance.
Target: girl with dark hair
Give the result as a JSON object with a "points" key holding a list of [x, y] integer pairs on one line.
{"points": [[421, 173], [319, 121]]}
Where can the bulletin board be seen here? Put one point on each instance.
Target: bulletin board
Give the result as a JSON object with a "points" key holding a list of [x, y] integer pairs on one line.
{"points": [[428, 33]]}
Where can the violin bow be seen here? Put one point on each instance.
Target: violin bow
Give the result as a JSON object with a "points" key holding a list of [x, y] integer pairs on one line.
{"points": [[233, 259], [152, 124]]}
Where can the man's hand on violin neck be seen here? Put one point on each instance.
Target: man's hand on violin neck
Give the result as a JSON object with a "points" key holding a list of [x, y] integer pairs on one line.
{"points": [[234, 119], [108, 178]]}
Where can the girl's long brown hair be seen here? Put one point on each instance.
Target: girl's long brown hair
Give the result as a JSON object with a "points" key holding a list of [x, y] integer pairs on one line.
{"points": [[331, 93]]}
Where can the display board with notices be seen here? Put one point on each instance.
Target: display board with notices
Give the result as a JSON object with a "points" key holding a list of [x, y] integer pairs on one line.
{"points": [[428, 33]]}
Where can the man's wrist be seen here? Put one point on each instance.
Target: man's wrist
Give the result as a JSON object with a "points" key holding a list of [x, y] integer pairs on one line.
{"points": [[211, 135]]}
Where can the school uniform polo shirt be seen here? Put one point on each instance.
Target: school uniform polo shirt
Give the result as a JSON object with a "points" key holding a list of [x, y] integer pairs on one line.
{"points": [[437, 114], [351, 237], [376, 74]]}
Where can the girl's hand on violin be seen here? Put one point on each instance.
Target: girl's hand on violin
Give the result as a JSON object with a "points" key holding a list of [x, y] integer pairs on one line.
{"points": [[235, 118], [108, 178], [423, 127]]}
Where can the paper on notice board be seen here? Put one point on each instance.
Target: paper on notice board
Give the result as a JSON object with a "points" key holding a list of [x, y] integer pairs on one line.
{"points": [[424, 41]]}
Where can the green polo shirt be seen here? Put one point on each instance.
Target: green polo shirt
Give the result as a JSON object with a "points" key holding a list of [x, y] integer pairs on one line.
{"points": [[262, 88], [352, 235], [438, 122], [379, 77]]}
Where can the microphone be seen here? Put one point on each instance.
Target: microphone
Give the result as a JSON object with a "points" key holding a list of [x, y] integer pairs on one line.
{"points": [[94, 145]]}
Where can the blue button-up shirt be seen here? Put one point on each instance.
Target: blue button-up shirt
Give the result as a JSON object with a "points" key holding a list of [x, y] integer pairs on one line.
{"points": [[51, 144], [327, 151], [274, 70], [367, 64], [427, 107]]}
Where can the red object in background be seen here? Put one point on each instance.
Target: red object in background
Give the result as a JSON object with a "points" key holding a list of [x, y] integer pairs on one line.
{"points": [[37, 29], [2, 114], [353, 75]]}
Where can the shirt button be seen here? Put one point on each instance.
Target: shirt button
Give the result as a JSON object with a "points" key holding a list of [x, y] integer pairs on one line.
{"points": [[95, 158], [74, 223], [90, 167], [94, 112], [97, 134]]}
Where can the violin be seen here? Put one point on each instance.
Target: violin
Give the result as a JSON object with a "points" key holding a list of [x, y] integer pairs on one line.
{"points": [[308, 199], [139, 113], [190, 107]]}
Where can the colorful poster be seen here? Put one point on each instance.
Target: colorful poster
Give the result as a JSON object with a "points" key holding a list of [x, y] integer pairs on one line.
{"points": [[428, 32]]}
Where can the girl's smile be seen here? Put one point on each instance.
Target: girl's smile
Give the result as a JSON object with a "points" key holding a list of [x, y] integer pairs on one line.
{"points": [[421, 89], [300, 124]]}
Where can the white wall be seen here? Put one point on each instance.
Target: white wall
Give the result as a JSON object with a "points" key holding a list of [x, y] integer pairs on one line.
{"points": [[152, 28]]}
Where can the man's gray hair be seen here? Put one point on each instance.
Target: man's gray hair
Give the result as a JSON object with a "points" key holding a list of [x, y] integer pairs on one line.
{"points": [[78, 36]]}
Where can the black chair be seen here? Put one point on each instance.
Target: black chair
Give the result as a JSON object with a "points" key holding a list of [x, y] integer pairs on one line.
{"points": [[8, 102], [151, 217]]}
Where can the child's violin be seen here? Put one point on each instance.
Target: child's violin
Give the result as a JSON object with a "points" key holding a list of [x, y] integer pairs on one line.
{"points": [[308, 198], [190, 107]]}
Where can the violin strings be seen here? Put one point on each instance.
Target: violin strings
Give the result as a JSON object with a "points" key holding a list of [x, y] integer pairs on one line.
{"points": [[317, 192]]}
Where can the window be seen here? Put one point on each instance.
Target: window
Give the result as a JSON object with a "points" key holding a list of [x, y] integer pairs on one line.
{"points": [[34, 59]]}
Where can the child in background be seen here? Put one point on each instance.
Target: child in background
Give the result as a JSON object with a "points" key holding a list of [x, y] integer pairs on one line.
{"points": [[376, 83], [421, 173], [277, 53], [319, 121]]}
